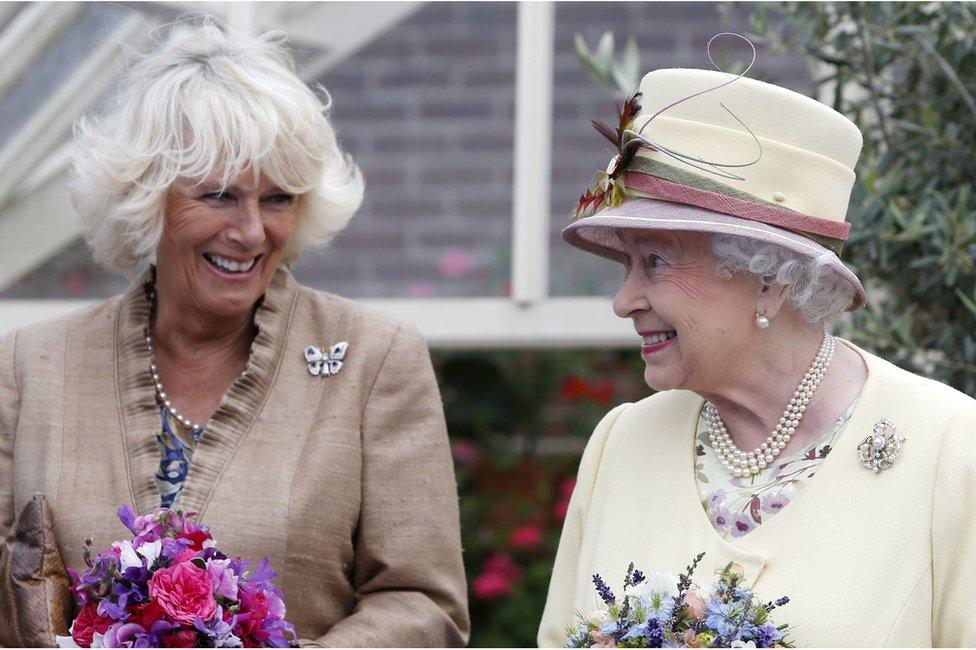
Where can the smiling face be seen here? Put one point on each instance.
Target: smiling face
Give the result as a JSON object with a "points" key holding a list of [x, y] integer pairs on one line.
{"points": [[696, 326], [219, 250]]}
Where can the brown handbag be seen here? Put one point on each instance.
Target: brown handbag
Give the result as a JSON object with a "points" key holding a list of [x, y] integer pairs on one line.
{"points": [[35, 603]]}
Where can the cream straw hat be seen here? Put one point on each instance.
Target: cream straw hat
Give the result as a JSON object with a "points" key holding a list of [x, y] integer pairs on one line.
{"points": [[710, 152]]}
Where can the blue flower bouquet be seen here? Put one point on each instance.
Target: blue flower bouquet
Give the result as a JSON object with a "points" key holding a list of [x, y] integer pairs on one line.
{"points": [[670, 611]]}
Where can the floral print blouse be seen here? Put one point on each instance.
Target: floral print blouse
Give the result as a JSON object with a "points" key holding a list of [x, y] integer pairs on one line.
{"points": [[737, 506], [176, 445]]}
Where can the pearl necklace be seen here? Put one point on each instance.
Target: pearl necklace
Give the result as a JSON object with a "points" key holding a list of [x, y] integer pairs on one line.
{"points": [[746, 464], [160, 391]]}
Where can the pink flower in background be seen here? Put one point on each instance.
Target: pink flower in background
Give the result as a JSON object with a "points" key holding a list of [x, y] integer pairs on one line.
{"points": [[465, 453], [567, 486], [421, 289], [184, 591], [527, 536], [456, 263], [491, 585], [497, 578]]}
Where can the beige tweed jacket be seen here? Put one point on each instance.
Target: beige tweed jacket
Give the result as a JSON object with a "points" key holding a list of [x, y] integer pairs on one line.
{"points": [[344, 482]]}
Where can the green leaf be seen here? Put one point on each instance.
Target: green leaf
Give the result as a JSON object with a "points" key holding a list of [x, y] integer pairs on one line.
{"points": [[968, 302], [604, 50]]}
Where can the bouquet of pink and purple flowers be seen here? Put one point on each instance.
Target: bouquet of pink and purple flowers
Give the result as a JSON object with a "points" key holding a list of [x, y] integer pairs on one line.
{"points": [[169, 587]]}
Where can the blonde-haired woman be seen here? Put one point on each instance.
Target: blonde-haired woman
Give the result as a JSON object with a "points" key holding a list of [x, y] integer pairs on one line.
{"points": [[196, 389]]}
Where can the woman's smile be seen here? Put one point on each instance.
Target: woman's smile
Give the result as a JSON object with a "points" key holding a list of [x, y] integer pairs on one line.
{"points": [[235, 269], [654, 342]]}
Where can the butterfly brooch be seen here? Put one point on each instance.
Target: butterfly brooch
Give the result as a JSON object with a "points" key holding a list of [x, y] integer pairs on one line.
{"points": [[322, 364]]}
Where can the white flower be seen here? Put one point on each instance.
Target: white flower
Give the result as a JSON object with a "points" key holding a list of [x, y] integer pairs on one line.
{"points": [[128, 555], [98, 640], [150, 551], [742, 644], [657, 583], [598, 616]]}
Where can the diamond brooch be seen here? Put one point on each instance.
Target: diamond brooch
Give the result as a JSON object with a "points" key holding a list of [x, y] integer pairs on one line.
{"points": [[328, 363], [879, 450]]}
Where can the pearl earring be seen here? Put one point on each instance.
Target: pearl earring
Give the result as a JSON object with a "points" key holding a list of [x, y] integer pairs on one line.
{"points": [[761, 321]]}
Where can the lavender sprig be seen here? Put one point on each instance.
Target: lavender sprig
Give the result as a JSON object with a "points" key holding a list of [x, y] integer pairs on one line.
{"points": [[603, 590]]}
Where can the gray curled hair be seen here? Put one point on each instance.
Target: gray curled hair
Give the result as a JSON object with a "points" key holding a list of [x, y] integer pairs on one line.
{"points": [[208, 105], [818, 292]]}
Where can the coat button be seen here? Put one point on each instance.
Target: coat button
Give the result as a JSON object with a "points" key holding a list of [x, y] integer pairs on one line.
{"points": [[779, 197]]}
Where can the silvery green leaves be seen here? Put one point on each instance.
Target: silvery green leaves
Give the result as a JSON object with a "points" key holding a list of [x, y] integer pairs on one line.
{"points": [[325, 365], [618, 76]]}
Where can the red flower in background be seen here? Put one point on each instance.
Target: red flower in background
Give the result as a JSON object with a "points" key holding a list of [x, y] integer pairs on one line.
{"points": [[526, 537], [577, 388], [497, 578]]}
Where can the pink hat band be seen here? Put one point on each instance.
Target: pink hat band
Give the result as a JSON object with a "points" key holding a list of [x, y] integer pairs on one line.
{"points": [[652, 179]]}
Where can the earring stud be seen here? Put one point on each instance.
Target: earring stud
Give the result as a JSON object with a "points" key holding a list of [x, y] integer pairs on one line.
{"points": [[761, 321]]}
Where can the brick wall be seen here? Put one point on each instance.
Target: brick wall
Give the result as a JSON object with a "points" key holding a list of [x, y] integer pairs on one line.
{"points": [[427, 111]]}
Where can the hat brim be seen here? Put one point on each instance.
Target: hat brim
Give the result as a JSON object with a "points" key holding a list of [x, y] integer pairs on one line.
{"points": [[598, 233]]}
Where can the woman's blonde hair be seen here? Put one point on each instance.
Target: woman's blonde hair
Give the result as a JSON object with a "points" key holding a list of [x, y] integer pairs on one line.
{"points": [[208, 105]]}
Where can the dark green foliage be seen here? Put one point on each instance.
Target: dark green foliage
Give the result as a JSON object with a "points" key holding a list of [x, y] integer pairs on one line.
{"points": [[905, 73], [518, 421]]}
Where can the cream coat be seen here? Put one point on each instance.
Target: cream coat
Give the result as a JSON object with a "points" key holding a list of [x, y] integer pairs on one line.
{"points": [[867, 560], [345, 483]]}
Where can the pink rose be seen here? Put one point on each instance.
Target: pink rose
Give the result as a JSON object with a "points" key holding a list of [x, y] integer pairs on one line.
{"points": [[184, 591], [696, 604]]}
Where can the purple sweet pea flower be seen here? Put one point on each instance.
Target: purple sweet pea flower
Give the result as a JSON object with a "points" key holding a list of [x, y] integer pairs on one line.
{"points": [[128, 518], [220, 631], [263, 575], [138, 579], [112, 610], [133, 635], [172, 547], [223, 577], [277, 630]]}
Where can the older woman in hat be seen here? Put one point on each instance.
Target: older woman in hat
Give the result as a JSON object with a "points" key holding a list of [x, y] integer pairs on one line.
{"points": [[827, 474], [301, 426]]}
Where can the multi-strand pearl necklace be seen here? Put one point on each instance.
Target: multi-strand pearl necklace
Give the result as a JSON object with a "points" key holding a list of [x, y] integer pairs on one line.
{"points": [[745, 464]]}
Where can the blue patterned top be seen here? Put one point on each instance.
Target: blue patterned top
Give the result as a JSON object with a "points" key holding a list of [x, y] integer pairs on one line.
{"points": [[175, 453]]}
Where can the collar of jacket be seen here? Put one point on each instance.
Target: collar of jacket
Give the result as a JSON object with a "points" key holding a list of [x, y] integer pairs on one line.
{"points": [[234, 416]]}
